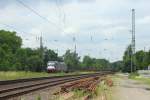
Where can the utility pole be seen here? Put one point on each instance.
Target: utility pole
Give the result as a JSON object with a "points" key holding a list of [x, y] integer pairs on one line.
{"points": [[74, 40], [133, 42], [144, 55], [41, 42], [41, 49]]}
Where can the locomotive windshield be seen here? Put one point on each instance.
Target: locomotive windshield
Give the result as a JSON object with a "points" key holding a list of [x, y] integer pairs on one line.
{"points": [[51, 64]]}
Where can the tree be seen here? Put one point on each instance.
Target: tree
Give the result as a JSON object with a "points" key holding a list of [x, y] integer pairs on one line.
{"points": [[21, 59], [140, 57], [10, 39], [127, 59], [87, 62], [9, 44], [35, 63], [50, 55], [117, 66], [13, 57], [71, 59], [101, 64], [147, 58], [141, 61]]}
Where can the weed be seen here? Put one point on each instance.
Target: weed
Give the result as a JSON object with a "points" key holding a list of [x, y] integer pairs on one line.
{"points": [[133, 75], [39, 97], [79, 93]]}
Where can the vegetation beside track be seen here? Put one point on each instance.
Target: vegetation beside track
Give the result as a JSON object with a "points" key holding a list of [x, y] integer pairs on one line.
{"points": [[144, 80], [137, 77], [14, 57], [10, 75], [133, 75], [103, 91]]}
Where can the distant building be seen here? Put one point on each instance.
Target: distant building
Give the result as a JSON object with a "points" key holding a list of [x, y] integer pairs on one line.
{"points": [[148, 67]]}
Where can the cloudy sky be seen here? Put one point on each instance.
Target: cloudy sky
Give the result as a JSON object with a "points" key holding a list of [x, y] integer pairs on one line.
{"points": [[101, 27]]}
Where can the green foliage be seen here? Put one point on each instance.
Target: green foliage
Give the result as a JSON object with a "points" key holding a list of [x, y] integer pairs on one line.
{"points": [[141, 61], [87, 61], [72, 60], [95, 64], [127, 59], [117, 66], [10, 75], [143, 80], [133, 75], [9, 41], [39, 97], [50, 55], [13, 57], [9, 44], [35, 63], [79, 93]]}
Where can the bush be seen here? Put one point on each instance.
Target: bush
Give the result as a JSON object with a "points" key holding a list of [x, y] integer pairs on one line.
{"points": [[133, 75]]}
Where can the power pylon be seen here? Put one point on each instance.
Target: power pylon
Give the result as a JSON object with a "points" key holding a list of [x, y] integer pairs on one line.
{"points": [[133, 42]]}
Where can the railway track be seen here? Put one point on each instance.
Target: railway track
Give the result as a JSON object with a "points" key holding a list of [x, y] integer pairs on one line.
{"points": [[13, 88]]}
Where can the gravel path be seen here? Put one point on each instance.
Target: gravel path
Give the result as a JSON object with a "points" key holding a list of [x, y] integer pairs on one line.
{"points": [[127, 89]]}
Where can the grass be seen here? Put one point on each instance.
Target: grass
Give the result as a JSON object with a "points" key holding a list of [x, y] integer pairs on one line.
{"points": [[102, 91], [10, 75], [133, 75], [140, 78], [144, 80], [39, 97], [79, 93]]}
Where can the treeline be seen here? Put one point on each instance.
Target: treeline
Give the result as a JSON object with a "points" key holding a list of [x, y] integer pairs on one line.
{"points": [[73, 62], [95, 64], [14, 57], [140, 60]]}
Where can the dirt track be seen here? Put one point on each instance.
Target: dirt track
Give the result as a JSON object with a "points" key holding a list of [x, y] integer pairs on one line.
{"points": [[127, 89]]}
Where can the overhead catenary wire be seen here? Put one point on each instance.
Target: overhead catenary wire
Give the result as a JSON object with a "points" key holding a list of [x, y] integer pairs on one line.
{"points": [[15, 29], [35, 12], [62, 14], [59, 9], [18, 31], [6, 25], [37, 38]]}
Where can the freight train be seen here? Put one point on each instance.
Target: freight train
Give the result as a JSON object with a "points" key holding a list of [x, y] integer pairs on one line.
{"points": [[55, 66]]}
